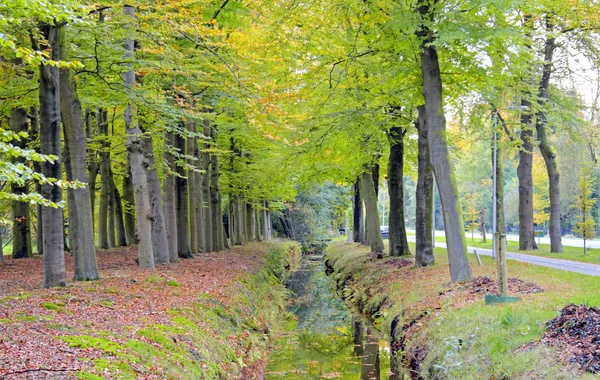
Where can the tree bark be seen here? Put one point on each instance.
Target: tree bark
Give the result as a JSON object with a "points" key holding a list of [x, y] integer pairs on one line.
{"points": [[37, 167], [193, 191], [104, 240], [160, 245], [120, 236], [372, 215], [482, 226], [424, 198], [215, 196], [169, 205], [181, 204], [206, 206], [135, 151], [81, 226], [21, 227], [358, 218], [92, 165], [397, 229], [375, 174], [52, 218], [547, 152], [460, 270], [129, 201], [524, 173]]}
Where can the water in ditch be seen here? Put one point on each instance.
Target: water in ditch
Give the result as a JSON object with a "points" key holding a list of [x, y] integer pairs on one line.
{"points": [[325, 341]]}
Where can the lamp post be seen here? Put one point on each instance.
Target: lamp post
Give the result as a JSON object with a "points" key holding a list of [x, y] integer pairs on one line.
{"points": [[495, 172]]}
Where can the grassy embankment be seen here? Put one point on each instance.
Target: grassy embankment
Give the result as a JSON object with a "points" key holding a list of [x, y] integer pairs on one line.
{"points": [[447, 329], [205, 318], [569, 253]]}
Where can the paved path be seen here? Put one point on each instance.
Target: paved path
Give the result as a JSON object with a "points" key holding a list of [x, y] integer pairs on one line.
{"points": [[567, 265]]}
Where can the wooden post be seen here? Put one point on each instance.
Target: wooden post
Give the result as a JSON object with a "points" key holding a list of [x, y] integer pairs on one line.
{"points": [[500, 242], [478, 257]]}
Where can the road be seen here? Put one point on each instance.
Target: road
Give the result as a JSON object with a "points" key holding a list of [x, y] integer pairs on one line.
{"points": [[566, 265], [570, 242]]}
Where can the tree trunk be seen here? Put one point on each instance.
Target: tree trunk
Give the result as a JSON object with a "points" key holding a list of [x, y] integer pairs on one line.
{"points": [[81, 226], [181, 205], [92, 166], [375, 174], [500, 225], [424, 198], [373, 228], [206, 206], [524, 173], [110, 212], [52, 218], [358, 218], [482, 226], [547, 152], [397, 229], [37, 167], [169, 205], [460, 270], [215, 197], [129, 201], [104, 241], [193, 191], [21, 228], [265, 222], [120, 239], [160, 245], [239, 218], [135, 151]]}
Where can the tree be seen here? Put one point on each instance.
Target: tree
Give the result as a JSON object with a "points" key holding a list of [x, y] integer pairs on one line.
{"points": [[585, 225], [80, 213], [397, 230], [423, 218], [460, 270], [135, 151], [52, 217]]}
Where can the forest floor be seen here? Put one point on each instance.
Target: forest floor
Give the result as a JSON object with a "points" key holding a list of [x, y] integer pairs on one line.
{"points": [[196, 317], [446, 330]]}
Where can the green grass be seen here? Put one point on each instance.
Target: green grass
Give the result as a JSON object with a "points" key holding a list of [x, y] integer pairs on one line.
{"points": [[468, 340]]}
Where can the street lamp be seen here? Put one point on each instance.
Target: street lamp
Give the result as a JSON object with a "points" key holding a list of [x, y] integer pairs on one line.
{"points": [[494, 173]]}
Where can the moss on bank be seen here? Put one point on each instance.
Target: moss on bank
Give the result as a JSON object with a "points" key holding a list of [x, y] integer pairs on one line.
{"points": [[205, 340], [446, 331]]}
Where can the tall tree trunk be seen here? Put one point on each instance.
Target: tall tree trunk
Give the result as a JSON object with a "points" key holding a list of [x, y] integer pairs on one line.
{"points": [[129, 203], [110, 212], [135, 151], [169, 205], [373, 228], [120, 239], [193, 190], [424, 217], [21, 228], [181, 204], [547, 152], [358, 219], [500, 225], [460, 270], [206, 206], [397, 229], [482, 226], [160, 245], [215, 196], [239, 219], [375, 174], [52, 218], [92, 165], [265, 222], [105, 181], [524, 173], [248, 222], [81, 226], [37, 167]]}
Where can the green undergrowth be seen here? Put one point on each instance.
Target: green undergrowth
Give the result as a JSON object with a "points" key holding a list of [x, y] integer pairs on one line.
{"points": [[457, 336], [205, 340]]}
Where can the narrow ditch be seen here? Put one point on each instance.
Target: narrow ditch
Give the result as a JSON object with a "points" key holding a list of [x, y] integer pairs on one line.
{"points": [[324, 338]]}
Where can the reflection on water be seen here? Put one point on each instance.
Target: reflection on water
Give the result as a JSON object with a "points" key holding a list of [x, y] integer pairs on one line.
{"points": [[325, 341]]}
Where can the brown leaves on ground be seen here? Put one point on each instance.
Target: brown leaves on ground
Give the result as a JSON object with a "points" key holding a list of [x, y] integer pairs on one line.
{"points": [[124, 301], [575, 332]]}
